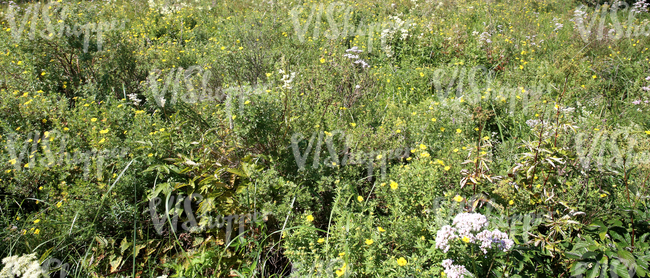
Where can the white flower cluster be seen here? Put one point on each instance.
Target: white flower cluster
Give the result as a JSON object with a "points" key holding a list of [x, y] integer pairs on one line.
{"points": [[444, 235], [166, 7], [485, 37], [465, 225], [388, 34], [287, 79], [469, 222], [454, 271], [558, 25], [355, 49], [640, 6], [26, 265], [487, 238], [578, 20]]}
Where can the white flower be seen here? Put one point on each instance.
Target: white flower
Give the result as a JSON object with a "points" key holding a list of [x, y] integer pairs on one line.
{"points": [[454, 271], [444, 235], [26, 265], [469, 222]]}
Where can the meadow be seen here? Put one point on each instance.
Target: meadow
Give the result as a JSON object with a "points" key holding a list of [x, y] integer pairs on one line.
{"points": [[405, 138]]}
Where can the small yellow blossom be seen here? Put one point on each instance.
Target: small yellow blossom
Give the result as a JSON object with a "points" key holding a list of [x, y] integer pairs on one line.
{"points": [[310, 218], [380, 229], [401, 261], [321, 240], [393, 185], [423, 147], [465, 239], [359, 198], [93, 119], [369, 241], [458, 198]]}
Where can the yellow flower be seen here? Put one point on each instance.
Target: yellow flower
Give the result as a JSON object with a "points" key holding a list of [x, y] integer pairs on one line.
{"points": [[359, 198], [511, 202], [458, 198], [422, 146], [603, 195], [465, 239], [369, 241], [353, 124], [322, 60], [401, 261], [321, 240], [58, 205], [93, 119], [424, 154], [647, 132], [447, 168], [398, 131], [341, 254], [458, 130], [150, 155], [12, 161], [101, 141], [37, 231], [379, 156], [380, 229], [104, 131], [36, 221], [393, 185], [442, 129], [455, 150], [383, 184], [433, 119], [310, 218]]}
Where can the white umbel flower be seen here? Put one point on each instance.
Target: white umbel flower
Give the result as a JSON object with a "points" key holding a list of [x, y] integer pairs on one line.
{"points": [[25, 266]]}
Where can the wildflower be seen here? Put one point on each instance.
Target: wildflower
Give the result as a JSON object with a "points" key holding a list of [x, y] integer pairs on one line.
{"points": [[104, 131], [647, 132], [511, 202], [393, 185], [93, 119], [465, 239], [27, 265], [458, 198], [454, 271], [425, 154], [369, 241], [447, 168], [458, 130], [401, 261], [353, 124], [380, 229], [310, 218], [359, 198], [444, 235], [321, 240], [423, 147]]}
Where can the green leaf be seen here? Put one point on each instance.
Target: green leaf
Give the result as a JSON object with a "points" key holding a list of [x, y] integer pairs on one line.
{"points": [[124, 245], [626, 257]]}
